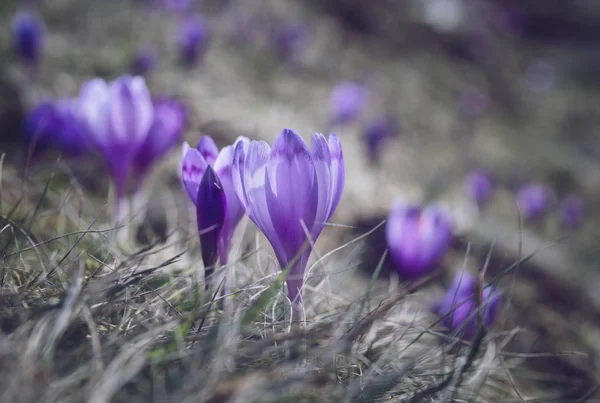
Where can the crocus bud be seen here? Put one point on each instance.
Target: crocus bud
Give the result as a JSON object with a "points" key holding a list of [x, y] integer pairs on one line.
{"points": [[144, 61], [118, 117], [479, 187], [167, 128], [376, 133], [417, 238], [211, 207], [290, 191], [28, 36], [346, 101], [193, 40], [459, 306], [572, 212], [533, 201], [194, 165]]}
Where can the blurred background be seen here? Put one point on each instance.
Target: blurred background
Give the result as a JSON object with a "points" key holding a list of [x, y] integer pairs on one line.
{"points": [[421, 92]]}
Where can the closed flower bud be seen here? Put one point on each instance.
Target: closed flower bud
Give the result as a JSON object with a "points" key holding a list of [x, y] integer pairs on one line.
{"points": [[28, 36]]}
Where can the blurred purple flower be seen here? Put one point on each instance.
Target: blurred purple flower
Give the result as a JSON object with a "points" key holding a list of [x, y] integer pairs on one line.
{"points": [[417, 238], [572, 212], [290, 191], [533, 201], [118, 117], [194, 166], [211, 210], [170, 119], [28, 36], [377, 133], [347, 100], [289, 39], [473, 103], [55, 124], [193, 40], [144, 61], [459, 306], [540, 75], [479, 187], [177, 5]]}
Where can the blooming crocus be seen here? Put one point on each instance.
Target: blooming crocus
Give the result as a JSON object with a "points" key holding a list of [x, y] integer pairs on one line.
{"points": [[417, 238], [376, 133], [346, 101], [533, 201], [170, 118], [118, 116], [479, 187], [28, 36], [194, 166], [193, 40], [572, 212], [144, 61], [290, 191], [55, 124], [459, 306]]}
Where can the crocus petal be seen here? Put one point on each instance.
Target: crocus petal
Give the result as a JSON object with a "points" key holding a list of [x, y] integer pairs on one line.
{"points": [[93, 108], [211, 206], [435, 235], [193, 168], [208, 149], [131, 110]]}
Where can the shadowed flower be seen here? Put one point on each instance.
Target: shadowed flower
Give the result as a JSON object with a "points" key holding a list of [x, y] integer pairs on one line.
{"points": [[289, 192], [167, 128], [289, 39], [193, 40], [479, 187], [195, 163], [417, 238], [346, 101], [55, 124], [28, 36], [144, 61], [377, 133], [572, 212], [459, 306], [533, 201], [211, 209], [118, 116]]}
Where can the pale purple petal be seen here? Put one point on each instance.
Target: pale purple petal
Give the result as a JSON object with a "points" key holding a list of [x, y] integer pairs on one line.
{"points": [[93, 109], [193, 168], [131, 110], [208, 149]]}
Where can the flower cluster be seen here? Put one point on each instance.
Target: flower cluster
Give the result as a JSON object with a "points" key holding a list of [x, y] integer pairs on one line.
{"points": [[118, 119], [289, 191]]}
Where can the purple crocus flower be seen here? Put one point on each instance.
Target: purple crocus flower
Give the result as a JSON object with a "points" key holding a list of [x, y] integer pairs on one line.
{"points": [[170, 118], [376, 133], [211, 211], [533, 201], [144, 61], [55, 124], [346, 101], [289, 192], [118, 116], [193, 40], [479, 187], [417, 238], [195, 163], [459, 306], [572, 212], [28, 36]]}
